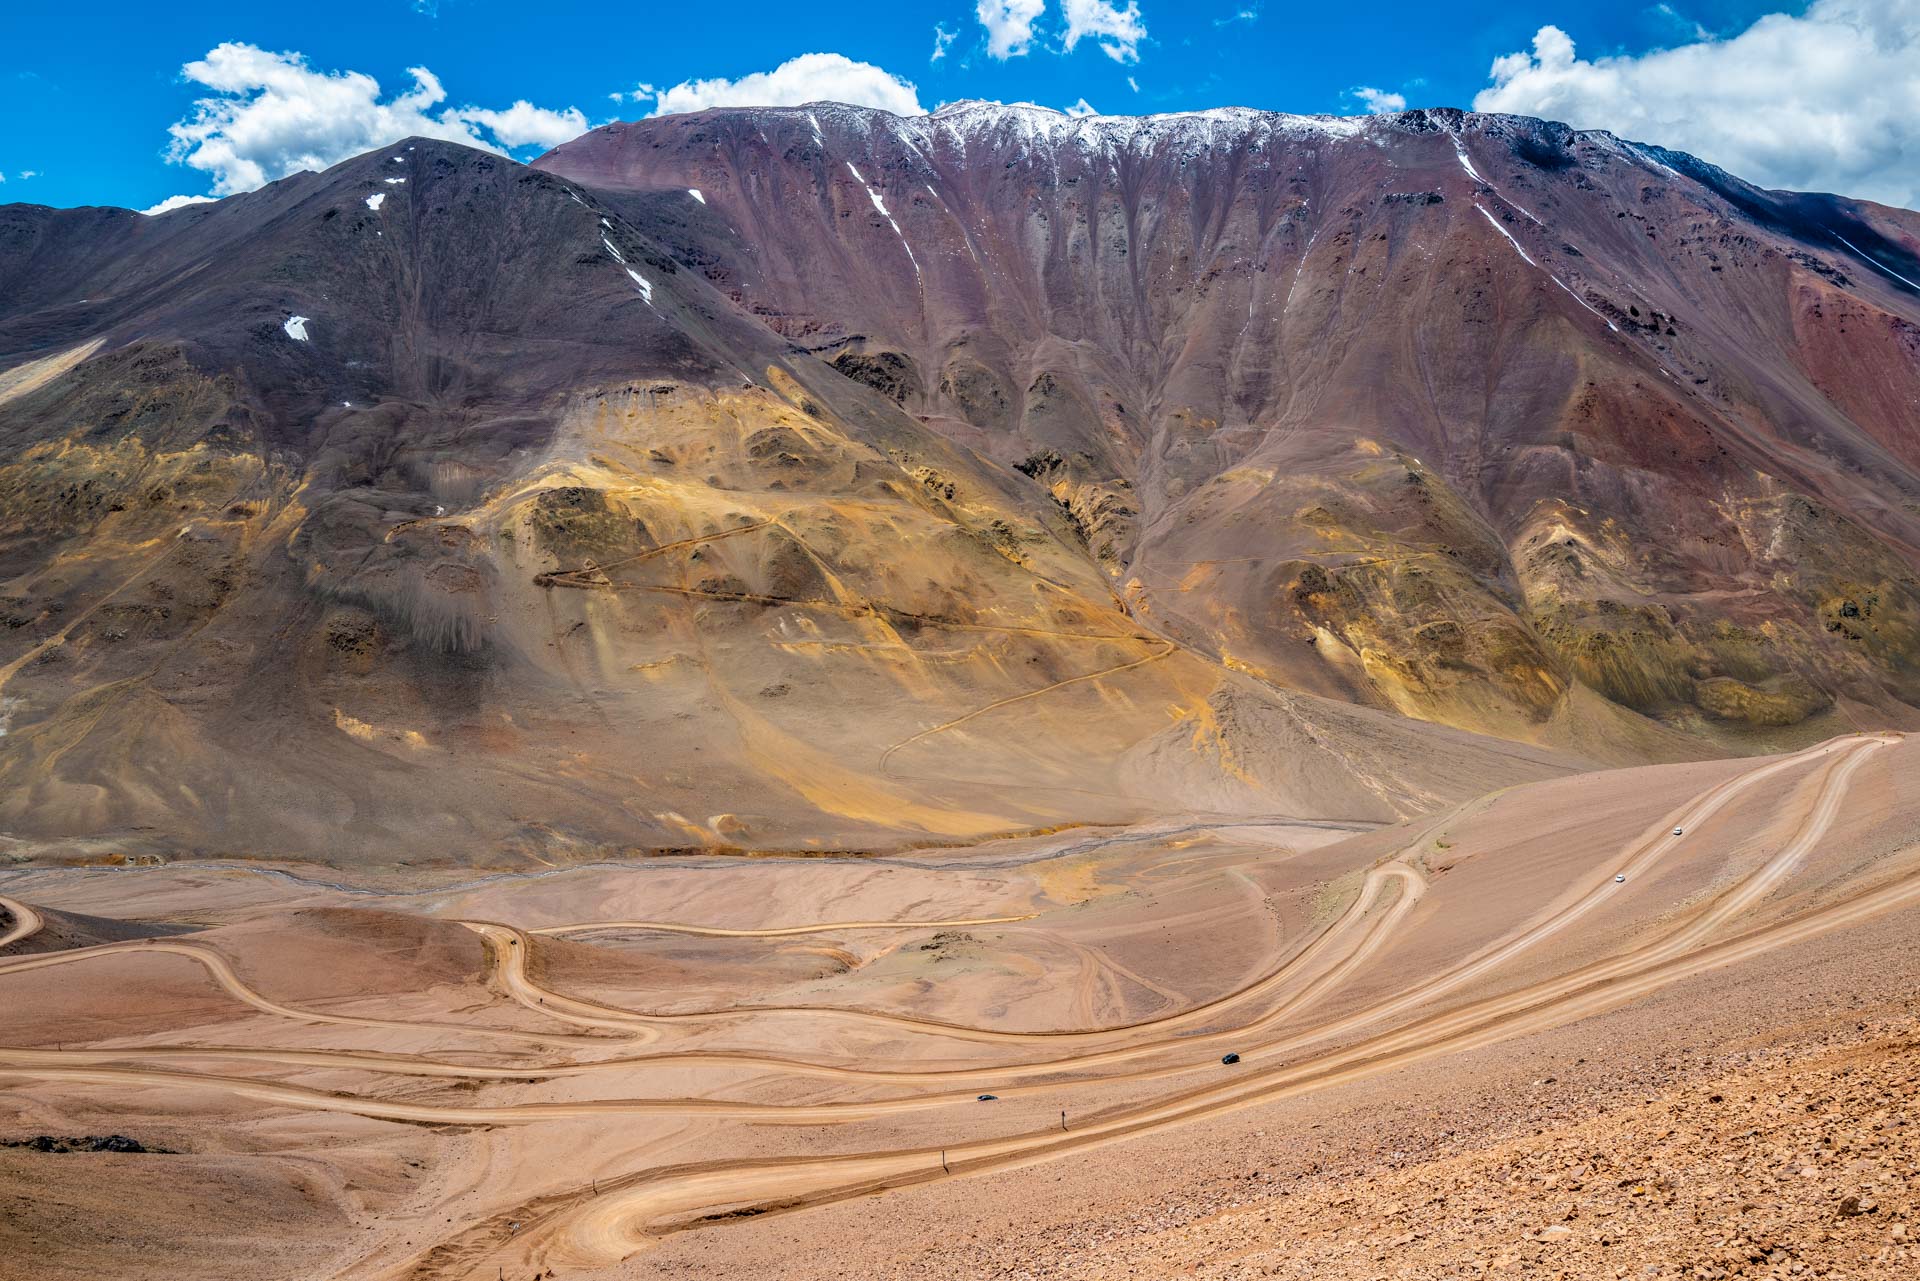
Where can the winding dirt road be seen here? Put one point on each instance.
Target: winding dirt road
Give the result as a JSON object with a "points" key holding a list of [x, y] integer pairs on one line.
{"points": [[1282, 1052], [222, 972], [622, 1220], [26, 922]]}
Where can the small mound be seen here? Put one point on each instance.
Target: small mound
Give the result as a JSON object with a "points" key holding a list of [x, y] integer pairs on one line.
{"points": [[63, 931], [322, 952]]}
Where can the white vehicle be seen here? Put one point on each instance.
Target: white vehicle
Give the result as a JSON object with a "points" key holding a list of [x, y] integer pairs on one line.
{"points": [[1620, 879], [1679, 831]]}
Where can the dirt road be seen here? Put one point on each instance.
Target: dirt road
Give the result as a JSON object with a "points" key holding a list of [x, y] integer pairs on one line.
{"points": [[890, 1075]]}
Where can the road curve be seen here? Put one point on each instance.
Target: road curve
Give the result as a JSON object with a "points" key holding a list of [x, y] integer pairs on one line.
{"points": [[1340, 958], [26, 922], [509, 948], [622, 1220], [1556, 1000], [222, 972], [510, 969], [510, 956], [1608, 974], [1650, 847], [1643, 854], [612, 1227], [1639, 857], [630, 1212]]}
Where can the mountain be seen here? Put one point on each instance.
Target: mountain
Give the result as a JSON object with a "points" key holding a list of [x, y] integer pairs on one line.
{"points": [[821, 479], [1442, 412]]}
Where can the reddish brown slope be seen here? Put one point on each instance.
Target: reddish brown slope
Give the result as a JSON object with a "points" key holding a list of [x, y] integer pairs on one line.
{"points": [[1448, 413], [530, 545]]}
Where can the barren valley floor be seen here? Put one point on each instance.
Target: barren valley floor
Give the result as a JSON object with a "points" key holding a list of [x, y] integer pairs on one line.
{"points": [[1466, 1045]]}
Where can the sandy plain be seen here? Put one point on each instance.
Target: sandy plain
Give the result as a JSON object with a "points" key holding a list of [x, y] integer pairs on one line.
{"points": [[1003, 1059]]}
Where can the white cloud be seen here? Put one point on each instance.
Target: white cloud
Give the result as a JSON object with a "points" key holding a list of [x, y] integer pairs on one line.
{"points": [[177, 202], [1250, 13], [1826, 101], [271, 115], [1118, 30], [1009, 25], [25, 174], [811, 77], [1133, 84], [1378, 102], [525, 125], [942, 40], [1083, 108], [1693, 30]]}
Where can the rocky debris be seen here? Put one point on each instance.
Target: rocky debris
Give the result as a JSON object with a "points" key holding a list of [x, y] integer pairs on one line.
{"points": [[87, 1143], [890, 373], [1802, 1163], [946, 943]]}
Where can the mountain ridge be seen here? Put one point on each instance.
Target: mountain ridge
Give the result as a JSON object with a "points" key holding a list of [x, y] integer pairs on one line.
{"points": [[587, 515], [1025, 293]]}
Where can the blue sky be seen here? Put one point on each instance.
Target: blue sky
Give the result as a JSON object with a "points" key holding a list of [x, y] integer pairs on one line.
{"points": [[90, 94]]}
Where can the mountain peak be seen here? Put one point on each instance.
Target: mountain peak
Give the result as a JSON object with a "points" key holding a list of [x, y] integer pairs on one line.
{"points": [[1453, 414]]}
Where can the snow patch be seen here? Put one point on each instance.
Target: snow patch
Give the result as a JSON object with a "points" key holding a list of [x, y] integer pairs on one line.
{"points": [[296, 327], [1647, 157], [646, 286], [1890, 271], [881, 205], [695, 193], [376, 200], [399, 160], [617, 255], [1506, 200], [1531, 263], [1466, 162], [871, 193], [8, 706], [1495, 222], [394, 182], [1193, 132]]}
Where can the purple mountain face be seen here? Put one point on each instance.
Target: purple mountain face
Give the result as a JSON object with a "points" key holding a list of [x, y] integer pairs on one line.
{"points": [[818, 479]]}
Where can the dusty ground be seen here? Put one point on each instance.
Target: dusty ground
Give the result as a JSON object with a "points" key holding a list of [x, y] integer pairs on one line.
{"points": [[1439, 1175], [1806, 1162], [772, 1067]]}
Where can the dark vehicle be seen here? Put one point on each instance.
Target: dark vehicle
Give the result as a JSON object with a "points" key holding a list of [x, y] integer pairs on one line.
{"points": [[1229, 1058], [988, 1098]]}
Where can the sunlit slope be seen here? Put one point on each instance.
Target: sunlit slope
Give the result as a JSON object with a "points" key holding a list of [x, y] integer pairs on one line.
{"points": [[1469, 417], [522, 543]]}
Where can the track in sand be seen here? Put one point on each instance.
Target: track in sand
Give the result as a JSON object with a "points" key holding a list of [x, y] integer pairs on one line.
{"points": [[1122, 1079]]}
